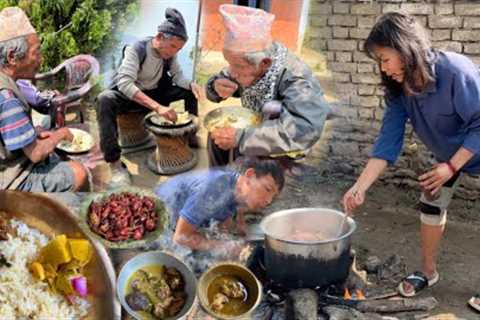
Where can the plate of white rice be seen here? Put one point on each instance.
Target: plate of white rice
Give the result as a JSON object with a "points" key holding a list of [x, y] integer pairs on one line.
{"points": [[21, 295]]}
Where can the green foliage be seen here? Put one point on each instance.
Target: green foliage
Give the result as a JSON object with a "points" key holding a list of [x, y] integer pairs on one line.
{"points": [[70, 27]]}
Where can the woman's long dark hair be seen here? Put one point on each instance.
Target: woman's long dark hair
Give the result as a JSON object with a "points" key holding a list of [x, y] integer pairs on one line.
{"points": [[400, 31]]}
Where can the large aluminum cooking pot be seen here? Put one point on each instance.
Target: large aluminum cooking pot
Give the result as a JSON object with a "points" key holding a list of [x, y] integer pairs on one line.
{"points": [[303, 249]]}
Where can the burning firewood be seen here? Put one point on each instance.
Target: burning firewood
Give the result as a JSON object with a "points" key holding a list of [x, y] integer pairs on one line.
{"points": [[357, 294]]}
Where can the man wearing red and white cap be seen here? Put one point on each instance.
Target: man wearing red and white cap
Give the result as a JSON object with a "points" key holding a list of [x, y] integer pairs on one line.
{"points": [[27, 161], [270, 80]]}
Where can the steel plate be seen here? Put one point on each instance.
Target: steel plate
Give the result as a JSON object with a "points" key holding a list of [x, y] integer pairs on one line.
{"points": [[236, 117], [82, 142], [52, 218], [184, 118]]}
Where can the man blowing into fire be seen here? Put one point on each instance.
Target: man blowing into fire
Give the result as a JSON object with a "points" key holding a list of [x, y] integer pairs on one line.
{"points": [[439, 93], [269, 80], [196, 199]]}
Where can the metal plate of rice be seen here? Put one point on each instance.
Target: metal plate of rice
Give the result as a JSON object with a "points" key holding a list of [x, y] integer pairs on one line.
{"points": [[38, 217], [82, 142], [236, 117]]}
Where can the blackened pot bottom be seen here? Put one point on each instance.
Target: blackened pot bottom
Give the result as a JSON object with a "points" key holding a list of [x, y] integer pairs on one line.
{"points": [[293, 272]]}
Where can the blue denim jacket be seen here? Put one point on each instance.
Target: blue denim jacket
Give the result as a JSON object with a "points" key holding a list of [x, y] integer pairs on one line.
{"points": [[446, 116]]}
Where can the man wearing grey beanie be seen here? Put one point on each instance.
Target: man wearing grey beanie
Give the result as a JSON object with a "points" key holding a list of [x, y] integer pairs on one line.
{"points": [[148, 79]]}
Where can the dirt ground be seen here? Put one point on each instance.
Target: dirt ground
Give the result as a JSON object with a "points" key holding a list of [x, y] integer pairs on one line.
{"points": [[210, 63], [387, 224]]}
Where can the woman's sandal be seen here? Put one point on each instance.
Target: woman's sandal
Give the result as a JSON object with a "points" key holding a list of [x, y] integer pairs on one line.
{"points": [[419, 281], [474, 302]]}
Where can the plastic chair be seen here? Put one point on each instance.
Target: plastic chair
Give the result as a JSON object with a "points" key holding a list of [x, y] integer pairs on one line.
{"points": [[79, 75]]}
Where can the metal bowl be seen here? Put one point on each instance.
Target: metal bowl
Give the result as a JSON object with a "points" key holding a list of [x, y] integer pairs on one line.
{"points": [[162, 223], [52, 218], [253, 286], [156, 258], [219, 117]]}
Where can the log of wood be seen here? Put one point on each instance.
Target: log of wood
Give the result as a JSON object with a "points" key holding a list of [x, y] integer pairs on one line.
{"points": [[337, 312], [302, 304], [378, 293], [373, 316], [416, 315], [397, 305], [384, 305]]}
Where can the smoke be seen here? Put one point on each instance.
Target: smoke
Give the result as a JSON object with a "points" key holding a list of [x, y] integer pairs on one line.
{"points": [[200, 261]]}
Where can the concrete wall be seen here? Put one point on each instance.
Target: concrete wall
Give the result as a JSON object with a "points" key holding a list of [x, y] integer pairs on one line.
{"points": [[338, 28]]}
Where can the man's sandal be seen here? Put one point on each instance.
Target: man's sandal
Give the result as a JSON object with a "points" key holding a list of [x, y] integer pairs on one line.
{"points": [[419, 281], [474, 302]]}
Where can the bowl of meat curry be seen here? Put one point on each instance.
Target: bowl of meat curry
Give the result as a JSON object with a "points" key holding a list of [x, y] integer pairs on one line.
{"points": [[156, 285], [229, 290]]}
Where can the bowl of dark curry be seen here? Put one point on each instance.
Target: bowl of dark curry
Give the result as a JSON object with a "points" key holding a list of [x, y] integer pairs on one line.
{"points": [[229, 290], [156, 285]]}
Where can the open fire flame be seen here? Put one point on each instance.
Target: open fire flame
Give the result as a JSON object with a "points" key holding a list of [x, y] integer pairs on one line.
{"points": [[357, 295]]}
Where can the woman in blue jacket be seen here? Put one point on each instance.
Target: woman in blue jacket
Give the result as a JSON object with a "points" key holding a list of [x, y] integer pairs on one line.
{"points": [[439, 93]]}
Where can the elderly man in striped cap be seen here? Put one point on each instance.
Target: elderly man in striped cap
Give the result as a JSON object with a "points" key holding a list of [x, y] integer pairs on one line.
{"points": [[27, 161]]}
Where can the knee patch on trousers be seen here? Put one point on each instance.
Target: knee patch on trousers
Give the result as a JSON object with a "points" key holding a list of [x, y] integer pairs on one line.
{"points": [[429, 209], [431, 215]]}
